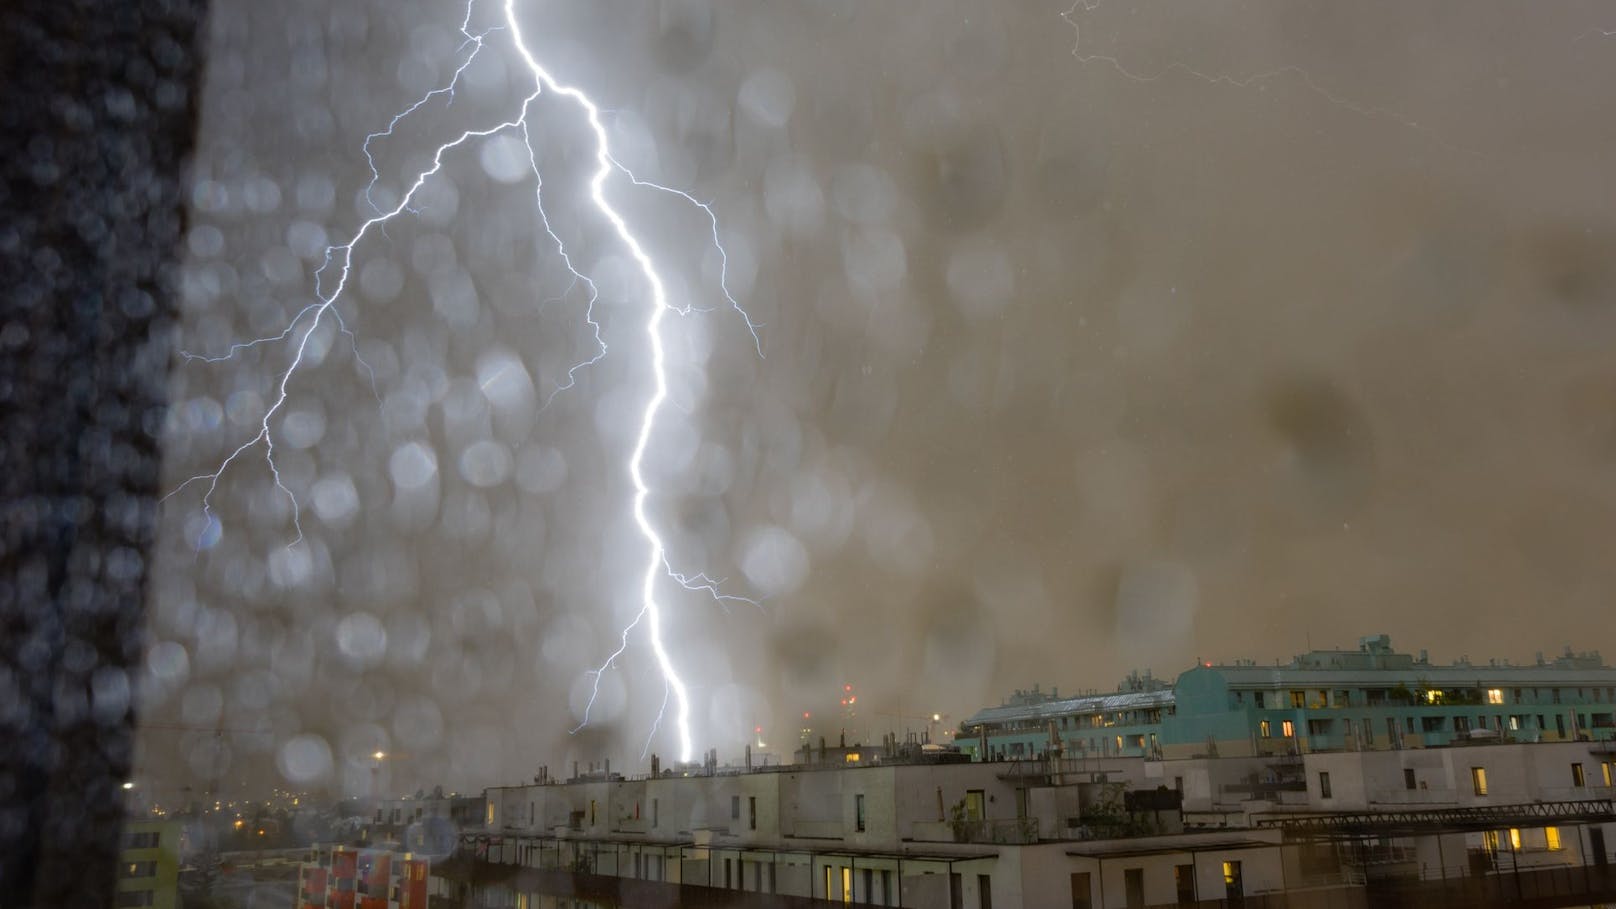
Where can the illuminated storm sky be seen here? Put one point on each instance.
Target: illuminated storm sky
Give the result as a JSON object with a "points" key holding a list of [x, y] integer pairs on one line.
{"points": [[1066, 372]]}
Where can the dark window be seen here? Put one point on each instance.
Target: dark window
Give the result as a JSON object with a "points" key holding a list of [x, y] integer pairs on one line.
{"points": [[1133, 885], [751, 812], [1408, 778], [1259, 700], [858, 812], [1082, 891], [1324, 784], [1184, 882], [734, 807], [137, 898], [984, 890], [143, 840]]}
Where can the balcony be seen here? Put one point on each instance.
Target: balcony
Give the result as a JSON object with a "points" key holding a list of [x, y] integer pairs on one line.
{"points": [[1010, 832]]}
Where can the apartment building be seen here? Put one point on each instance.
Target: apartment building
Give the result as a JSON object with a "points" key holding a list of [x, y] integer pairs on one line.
{"points": [[149, 865], [897, 830], [1371, 698], [342, 877]]}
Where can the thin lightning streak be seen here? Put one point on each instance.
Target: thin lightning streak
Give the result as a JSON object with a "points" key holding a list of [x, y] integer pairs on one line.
{"points": [[723, 256], [326, 304], [1301, 75], [448, 89], [577, 276]]}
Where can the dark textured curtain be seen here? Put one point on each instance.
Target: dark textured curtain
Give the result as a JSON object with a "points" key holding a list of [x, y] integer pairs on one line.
{"points": [[98, 104]]}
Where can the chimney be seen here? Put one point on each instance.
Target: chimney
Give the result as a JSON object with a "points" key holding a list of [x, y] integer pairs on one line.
{"points": [[748, 757]]}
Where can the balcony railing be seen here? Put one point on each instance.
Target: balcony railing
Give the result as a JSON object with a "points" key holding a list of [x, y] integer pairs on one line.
{"points": [[1011, 832]]}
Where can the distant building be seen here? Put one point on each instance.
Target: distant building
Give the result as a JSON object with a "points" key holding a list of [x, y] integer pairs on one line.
{"points": [[149, 865], [426, 825], [1372, 698], [341, 877]]}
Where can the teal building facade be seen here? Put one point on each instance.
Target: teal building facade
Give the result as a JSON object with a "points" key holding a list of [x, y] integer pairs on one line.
{"points": [[1371, 698]]}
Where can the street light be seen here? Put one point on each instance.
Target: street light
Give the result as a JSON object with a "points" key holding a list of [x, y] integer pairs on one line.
{"points": [[380, 755], [129, 785]]}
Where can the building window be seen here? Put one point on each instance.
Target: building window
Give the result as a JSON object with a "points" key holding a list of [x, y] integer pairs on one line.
{"points": [[734, 807], [1577, 779], [1298, 699], [1368, 731], [1324, 784], [1517, 695], [1495, 695], [1408, 778], [1551, 838], [751, 812], [1233, 887], [1288, 729], [655, 814], [984, 889], [1259, 696], [858, 812], [1515, 838], [137, 898], [143, 840], [1266, 728], [1606, 769], [1478, 779], [140, 869]]}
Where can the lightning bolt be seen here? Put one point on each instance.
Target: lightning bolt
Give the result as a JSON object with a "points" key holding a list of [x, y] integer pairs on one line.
{"points": [[1302, 76], [300, 329]]}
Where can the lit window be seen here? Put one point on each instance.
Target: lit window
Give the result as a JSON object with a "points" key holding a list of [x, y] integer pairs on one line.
{"points": [[1268, 731], [852, 757], [1606, 768], [1478, 780], [1288, 729], [1551, 837], [1515, 838], [1495, 695], [1434, 696], [1577, 779]]}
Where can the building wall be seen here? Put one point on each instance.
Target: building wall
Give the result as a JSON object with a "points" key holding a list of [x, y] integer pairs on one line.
{"points": [[149, 865]]}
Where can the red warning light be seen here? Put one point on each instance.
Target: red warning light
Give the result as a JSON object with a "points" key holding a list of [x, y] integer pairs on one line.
{"points": [[847, 687], [758, 729], [805, 714]]}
